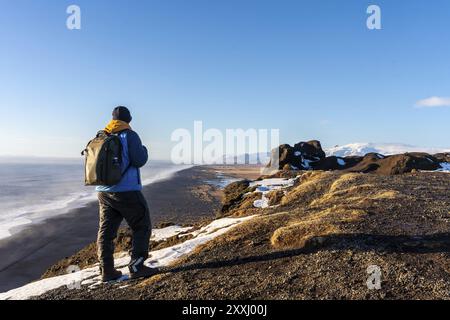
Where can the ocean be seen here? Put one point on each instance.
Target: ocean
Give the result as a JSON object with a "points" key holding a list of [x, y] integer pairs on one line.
{"points": [[32, 192]]}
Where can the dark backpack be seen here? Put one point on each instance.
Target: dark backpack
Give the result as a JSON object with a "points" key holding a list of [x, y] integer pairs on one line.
{"points": [[103, 160]]}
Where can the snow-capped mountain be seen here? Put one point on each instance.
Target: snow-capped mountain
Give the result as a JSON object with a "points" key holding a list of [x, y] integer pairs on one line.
{"points": [[360, 149]]}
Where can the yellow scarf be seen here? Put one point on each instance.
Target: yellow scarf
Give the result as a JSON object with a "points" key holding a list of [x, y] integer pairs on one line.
{"points": [[115, 126]]}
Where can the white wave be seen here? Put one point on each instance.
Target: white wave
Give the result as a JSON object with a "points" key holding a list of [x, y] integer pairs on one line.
{"points": [[7, 226], [165, 175], [39, 212]]}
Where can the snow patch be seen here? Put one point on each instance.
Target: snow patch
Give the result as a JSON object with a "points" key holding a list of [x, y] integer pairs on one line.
{"points": [[267, 185], [445, 167], [307, 164], [340, 161], [273, 183], [167, 232], [262, 203]]}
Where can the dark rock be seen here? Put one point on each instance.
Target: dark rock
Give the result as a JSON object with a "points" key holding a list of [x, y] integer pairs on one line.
{"points": [[442, 157], [329, 163], [300, 157], [396, 164], [285, 156], [311, 149]]}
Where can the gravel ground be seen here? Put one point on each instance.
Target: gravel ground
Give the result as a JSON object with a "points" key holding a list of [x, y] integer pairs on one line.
{"points": [[406, 235]]}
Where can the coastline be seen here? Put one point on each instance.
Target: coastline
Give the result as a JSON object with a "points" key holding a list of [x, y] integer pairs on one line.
{"points": [[183, 198]]}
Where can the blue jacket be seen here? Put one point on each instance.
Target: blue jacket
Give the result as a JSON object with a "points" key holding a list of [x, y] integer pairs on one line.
{"points": [[134, 156]]}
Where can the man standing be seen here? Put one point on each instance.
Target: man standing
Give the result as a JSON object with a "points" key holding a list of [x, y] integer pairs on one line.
{"points": [[124, 201]]}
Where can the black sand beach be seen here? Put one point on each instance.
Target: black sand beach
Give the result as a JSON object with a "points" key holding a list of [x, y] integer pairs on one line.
{"points": [[183, 199]]}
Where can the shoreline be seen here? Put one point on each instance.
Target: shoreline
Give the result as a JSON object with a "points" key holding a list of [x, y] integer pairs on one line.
{"points": [[183, 198], [86, 198]]}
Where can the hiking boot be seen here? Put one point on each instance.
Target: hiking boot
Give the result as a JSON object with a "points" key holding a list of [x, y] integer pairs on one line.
{"points": [[139, 270], [110, 274]]}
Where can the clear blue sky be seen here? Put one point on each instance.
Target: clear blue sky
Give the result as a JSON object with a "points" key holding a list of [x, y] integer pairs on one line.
{"points": [[310, 68]]}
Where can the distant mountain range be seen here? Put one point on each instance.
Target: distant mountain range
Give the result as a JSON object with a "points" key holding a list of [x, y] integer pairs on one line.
{"points": [[351, 149], [360, 149]]}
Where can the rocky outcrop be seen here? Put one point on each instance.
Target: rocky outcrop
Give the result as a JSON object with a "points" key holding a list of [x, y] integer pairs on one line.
{"points": [[442, 157], [232, 194], [300, 157], [310, 156], [396, 164]]}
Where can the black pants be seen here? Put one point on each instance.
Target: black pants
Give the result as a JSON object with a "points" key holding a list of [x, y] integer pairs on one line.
{"points": [[114, 207]]}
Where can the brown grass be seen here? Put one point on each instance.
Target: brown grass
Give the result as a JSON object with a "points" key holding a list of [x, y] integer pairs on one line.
{"points": [[326, 203], [351, 194], [308, 184], [344, 180], [386, 194], [301, 235], [346, 190], [275, 197], [151, 280], [334, 204], [310, 230]]}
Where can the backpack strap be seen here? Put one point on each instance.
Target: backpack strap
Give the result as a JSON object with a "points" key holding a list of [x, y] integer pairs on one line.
{"points": [[129, 165]]}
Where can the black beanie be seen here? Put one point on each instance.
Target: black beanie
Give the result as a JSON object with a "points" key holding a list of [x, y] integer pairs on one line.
{"points": [[122, 113]]}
